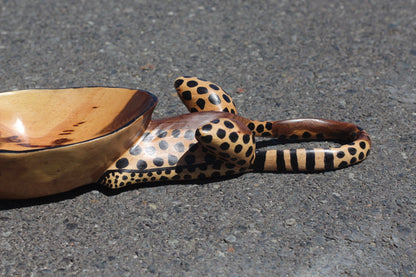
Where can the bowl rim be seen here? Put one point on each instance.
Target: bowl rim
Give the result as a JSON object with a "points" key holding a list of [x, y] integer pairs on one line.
{"points": [[152, 104]]}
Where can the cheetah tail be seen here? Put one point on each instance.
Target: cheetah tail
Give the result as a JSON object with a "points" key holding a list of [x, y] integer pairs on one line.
{"points": [[355, 148]]}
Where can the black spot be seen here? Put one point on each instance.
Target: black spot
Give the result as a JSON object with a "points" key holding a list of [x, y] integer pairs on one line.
{"points": [[214, 87], [343, 164], [246, 139], [202, 79], [190, 159], [352, 150], [191, 168], [306, 135], [176, 177], [214, 99], [249, 151], [206, 139], [340, 154], [179, 147], [210, 158], [266, 134], [229, 165], [221, 133], [233, 111], [202, 90], [135, 150], [320, 136], [201, 103], [225, 146], [226, 110], [187, 176], [362, 145], [229, 172], [132, 175], [192, 84], [150, 174], [122, 163], [207, 127], [294, 136], [353, 160], [251, 126], [194, 110], [161, 133], [189, 134], [228, 124], [178, 169], [202, 176], [241, 162], [269, 125], [172, 160], [226, 98], [187, 95], [260, 128], [163, 178], [163, 145], [141, 165], [224, 155], [215, 174], [158, 161], [233, 136], [178, 83], [238, 148], [215, 121], [176, 133], [361, 156], [150, 150]]}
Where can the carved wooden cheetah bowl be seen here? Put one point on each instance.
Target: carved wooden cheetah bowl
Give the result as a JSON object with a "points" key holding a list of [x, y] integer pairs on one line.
{"points": [[53, 141]]}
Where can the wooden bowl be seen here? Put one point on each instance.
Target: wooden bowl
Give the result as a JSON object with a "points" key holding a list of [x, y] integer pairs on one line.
{"points": [[55, 140]]}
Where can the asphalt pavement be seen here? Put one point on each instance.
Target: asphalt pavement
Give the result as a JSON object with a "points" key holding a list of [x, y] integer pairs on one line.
{"points": [[351, 61]]}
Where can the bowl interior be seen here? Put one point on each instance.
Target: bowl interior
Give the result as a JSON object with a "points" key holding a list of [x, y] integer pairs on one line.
{"points": [[35, 119]]}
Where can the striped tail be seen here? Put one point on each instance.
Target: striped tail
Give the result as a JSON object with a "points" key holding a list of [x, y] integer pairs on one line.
{"points": [[356, 148]]}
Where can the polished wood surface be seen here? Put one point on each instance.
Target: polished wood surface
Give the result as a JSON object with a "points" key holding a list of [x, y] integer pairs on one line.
{"points": [[36, 119]]}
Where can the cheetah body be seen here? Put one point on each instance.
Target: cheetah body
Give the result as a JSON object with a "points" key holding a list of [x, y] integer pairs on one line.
{"points": [[213, 141]]}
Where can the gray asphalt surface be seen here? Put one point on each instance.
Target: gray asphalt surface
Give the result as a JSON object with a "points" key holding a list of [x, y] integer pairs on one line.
{"points": [[352, 61]]}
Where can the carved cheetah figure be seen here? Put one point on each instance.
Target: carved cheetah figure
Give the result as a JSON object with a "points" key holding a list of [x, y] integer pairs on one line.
{"points": [[213, 141]]}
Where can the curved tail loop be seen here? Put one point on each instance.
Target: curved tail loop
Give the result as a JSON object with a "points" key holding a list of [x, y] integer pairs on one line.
{"points": [[355, 148]]}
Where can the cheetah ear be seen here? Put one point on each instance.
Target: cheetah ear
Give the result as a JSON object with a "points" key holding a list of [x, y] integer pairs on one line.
{"points": [[200, 95]]}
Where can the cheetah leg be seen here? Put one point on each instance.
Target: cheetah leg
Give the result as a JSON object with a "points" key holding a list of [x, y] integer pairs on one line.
{"points": [[229, 140], [356, 148], [199, 95]]}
